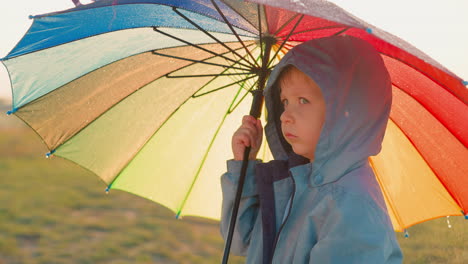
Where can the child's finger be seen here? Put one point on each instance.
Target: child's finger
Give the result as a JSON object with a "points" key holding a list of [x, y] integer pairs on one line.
{"points": [[242, 139], [251, 133], [250, 128], [248, 119], [247, 135]]}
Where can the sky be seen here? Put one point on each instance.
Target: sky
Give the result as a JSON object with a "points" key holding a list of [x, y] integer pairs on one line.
{"points": [[438, 28]]}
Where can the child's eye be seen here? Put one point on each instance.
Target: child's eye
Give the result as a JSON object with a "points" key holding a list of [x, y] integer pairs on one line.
{"points": [[303, 100], [284, 102]]}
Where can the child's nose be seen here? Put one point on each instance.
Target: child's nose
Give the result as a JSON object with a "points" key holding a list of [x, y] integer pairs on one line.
{"points": [[286, 117]]}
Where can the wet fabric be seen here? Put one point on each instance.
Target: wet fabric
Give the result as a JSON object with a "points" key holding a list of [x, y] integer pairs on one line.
{"points": [[337, 212]]}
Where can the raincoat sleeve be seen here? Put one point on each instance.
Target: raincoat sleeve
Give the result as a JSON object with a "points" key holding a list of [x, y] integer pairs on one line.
{"points": [[355, 231], [248, 208]]}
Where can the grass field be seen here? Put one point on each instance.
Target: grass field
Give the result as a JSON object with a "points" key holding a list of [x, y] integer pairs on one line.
{"points": [[52, 211]]}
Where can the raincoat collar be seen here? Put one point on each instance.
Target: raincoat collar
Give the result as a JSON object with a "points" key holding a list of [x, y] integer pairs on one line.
{"points": [[357, 90]]}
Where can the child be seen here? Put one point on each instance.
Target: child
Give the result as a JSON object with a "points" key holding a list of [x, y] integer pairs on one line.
{"points": [[328, 103]]}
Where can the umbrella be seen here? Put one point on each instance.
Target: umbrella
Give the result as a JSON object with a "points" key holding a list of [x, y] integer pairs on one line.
{"points": [[146, 94]]}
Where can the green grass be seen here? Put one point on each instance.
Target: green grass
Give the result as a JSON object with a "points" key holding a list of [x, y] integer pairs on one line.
{"points": [[52, 211]]}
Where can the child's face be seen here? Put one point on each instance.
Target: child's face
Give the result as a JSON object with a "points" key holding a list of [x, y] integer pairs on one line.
{"points": [[304, 112]]}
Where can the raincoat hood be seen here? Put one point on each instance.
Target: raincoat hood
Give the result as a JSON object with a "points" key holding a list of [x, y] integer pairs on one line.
{"points": [[356, 87]]}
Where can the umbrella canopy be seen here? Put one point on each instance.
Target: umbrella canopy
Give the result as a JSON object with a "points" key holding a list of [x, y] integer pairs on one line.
{"points": [[146, 94]]}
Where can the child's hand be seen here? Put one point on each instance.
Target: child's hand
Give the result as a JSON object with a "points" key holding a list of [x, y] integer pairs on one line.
{"points": [[250, 133]]}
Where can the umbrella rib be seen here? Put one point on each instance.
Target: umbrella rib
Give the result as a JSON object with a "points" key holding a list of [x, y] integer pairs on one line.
{"points": [[198, 47], [55, 147], [452, 195], [165, 121], [459, 140], [320, 28], [266, 19], [428, 165], [233, 31], [230, 109], [205, 156], [285, 24], [199, 61], [52, 150], [208, 75], [210, 35], [260, 28], [243, 97], [240, 14], [109, 185], [426, 75], [341, 31], [223, 87], [213, 75], [191, 64], [207, 83], [203, 86], [286, 39]]}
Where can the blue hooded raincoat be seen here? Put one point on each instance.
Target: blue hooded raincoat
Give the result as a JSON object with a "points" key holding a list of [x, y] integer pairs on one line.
{"points": [[331, 210]]}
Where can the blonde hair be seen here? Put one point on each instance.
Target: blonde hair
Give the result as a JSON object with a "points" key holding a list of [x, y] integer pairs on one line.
{"points": [[287, 70]]}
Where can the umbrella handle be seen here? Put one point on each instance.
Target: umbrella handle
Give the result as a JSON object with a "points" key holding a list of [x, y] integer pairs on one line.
{"points": [[255, 111]]}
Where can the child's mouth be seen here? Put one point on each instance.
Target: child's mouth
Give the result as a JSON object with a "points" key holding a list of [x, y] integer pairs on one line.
{"points": [[289, 135]]}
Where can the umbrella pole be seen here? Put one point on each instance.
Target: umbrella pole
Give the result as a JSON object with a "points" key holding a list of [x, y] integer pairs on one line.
{"points": [[255, 111]]}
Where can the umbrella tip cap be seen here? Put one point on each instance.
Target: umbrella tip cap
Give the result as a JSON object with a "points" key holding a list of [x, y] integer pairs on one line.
{"points": [[465, 83], [12, 111], [108, 188], [369, 30], [466, 216], [178, 215], [406, 233], [50, 153]]}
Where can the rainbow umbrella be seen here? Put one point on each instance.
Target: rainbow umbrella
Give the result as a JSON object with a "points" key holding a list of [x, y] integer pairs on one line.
{"points": [[146, 94]]}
